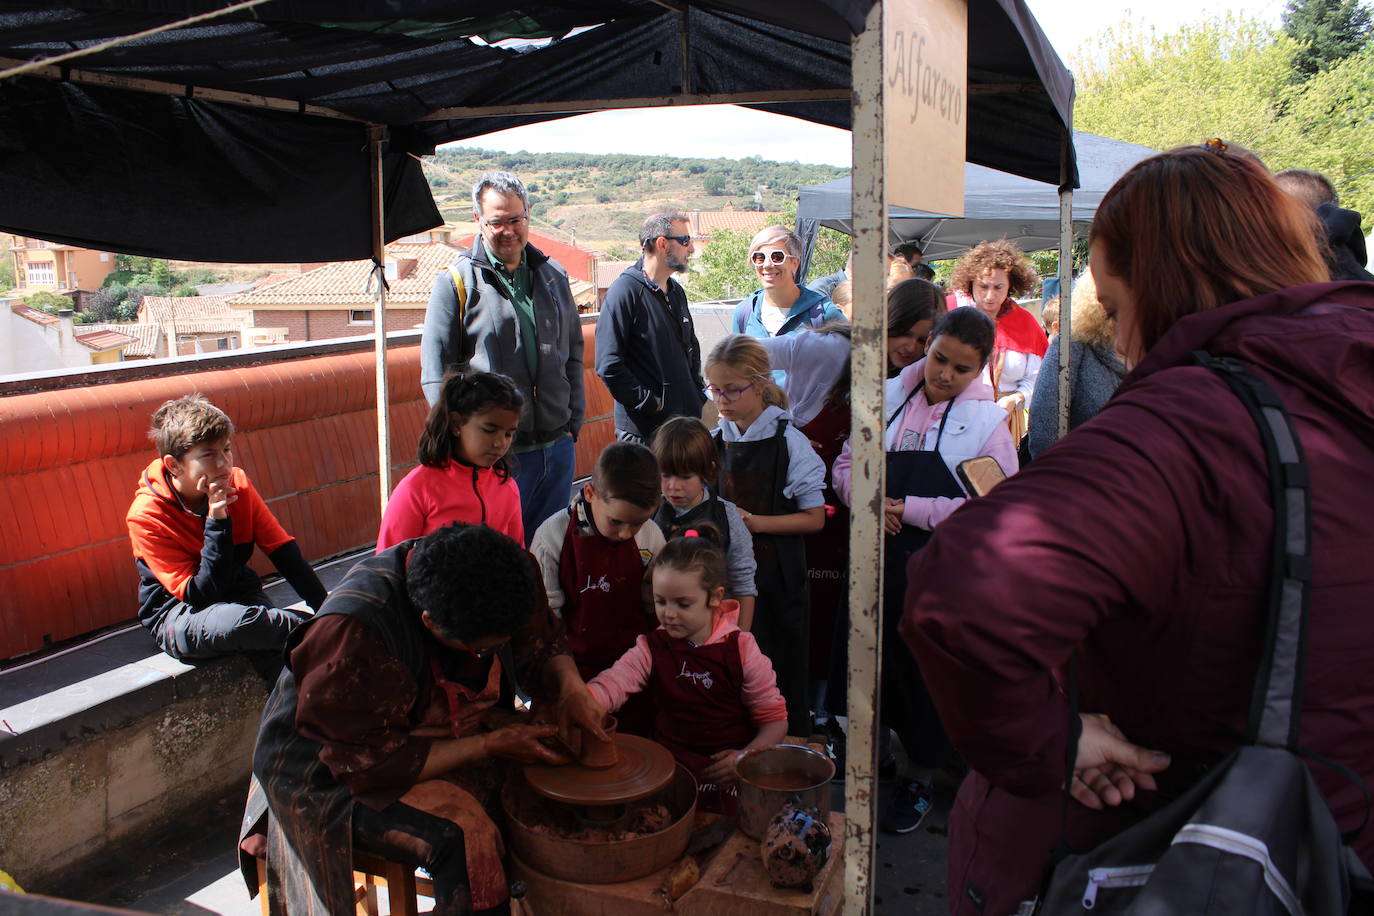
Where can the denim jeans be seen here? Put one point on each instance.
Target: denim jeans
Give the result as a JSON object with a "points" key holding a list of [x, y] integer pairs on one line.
{"points": [[252, 625], [544, 477]]}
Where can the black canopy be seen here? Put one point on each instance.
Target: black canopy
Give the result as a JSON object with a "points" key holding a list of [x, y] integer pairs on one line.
{"points": [[160, 169]]}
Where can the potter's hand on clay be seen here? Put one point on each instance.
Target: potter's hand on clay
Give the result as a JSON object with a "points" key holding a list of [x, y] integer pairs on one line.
{"points": [[1109, 769], [722, 771], [523, 744], [578, 709]]}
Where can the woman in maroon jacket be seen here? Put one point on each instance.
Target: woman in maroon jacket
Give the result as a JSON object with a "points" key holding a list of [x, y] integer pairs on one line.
{"points": [[1141, 541]]}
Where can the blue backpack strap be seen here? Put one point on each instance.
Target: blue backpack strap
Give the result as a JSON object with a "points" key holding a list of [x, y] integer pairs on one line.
{"points": [[740, 321]]}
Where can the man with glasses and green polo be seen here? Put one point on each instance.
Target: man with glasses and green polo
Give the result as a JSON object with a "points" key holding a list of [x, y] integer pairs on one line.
{"points": [[647, 351], [504, 306]]}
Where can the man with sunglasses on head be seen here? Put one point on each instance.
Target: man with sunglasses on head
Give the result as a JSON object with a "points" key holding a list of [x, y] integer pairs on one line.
{"points": [[506, 307], [647, 351]]}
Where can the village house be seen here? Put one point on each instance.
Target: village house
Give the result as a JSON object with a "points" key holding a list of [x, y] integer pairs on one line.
{"points": [[52, 267]]}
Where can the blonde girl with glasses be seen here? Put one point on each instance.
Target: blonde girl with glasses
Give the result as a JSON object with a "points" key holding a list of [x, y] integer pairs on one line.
{"points": [[770, 472], [780, 307]]}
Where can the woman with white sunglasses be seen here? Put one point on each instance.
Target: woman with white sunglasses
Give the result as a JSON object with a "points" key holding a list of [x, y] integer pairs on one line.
{"points": [[781, 307]]}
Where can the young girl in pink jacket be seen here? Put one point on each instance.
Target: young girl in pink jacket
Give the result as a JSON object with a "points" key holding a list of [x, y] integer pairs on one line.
{"points": [[939, 414], [715, 693], [464, 473]]}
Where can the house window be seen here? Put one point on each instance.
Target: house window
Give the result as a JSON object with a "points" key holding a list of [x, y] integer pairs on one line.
{"points": [[221, 343], [41, 273], [360, 316]]}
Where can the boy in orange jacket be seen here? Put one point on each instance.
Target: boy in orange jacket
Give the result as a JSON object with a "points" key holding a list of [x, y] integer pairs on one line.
{"points": [[194, 522]]}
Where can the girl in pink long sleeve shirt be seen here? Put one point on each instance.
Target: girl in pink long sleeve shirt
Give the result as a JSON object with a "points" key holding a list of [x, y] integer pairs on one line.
{"points": [[464, 474], [715, 693]]}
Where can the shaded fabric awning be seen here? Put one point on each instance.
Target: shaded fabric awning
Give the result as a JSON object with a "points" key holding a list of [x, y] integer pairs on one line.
{"points": [[996, 204], [163, 170]]}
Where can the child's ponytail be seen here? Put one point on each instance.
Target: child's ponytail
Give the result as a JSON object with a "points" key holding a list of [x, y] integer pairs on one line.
{"points": [[700, 550], [462, 396]]}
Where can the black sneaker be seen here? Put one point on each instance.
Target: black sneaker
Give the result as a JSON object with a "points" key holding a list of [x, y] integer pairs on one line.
{"points": [[911, 802]]}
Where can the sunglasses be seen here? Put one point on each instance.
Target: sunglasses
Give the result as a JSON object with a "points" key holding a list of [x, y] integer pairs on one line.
{"points": [[680, 239], [771, 256]]}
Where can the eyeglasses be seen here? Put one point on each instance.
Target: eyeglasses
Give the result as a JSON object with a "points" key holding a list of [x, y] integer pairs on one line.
{"points": [[680, 239], [772, 256], [514, 222], [726, 395]]}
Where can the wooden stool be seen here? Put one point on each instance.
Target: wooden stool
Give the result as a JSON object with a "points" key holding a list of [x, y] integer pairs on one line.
{"points": [[371, 872]]}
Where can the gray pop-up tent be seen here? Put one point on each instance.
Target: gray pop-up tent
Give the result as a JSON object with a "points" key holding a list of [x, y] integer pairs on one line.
{"points": [[996, 204]]}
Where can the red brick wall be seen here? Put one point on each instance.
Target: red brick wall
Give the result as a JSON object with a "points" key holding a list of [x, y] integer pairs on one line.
{"points": [[326, 324]]}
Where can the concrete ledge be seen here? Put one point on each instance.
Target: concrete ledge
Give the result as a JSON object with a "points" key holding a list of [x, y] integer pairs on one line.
{"points": [[108, 743]]}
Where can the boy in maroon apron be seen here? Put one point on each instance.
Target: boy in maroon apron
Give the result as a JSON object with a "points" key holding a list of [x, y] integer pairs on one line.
{"points": [[593, 556], [714, 692]]}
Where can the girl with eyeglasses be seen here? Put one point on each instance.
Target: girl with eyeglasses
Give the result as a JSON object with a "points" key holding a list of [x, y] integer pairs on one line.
{"points": [[781, 306], [770, 471]]}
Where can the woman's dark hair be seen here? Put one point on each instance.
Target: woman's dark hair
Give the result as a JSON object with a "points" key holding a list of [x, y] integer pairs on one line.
{"points": [[911, 302], [463, 396], [969, 326], [703, 554], [1196, 228], [628, 471], [473, 581]]}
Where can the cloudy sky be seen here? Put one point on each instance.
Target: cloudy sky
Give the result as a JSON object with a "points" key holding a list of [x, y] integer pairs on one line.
{"points": [[732, 132]]}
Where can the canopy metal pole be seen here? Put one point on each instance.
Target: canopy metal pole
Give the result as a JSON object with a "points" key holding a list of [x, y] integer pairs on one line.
{"points": [[869, 370], [376, 136], [1065, 280]]}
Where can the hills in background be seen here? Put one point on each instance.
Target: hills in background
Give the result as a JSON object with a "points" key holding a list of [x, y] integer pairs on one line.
{"points": [[602, 199]]}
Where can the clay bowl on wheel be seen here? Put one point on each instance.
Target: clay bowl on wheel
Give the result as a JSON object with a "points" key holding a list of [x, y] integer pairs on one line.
{"points": [[538, 828], [770, 777]]}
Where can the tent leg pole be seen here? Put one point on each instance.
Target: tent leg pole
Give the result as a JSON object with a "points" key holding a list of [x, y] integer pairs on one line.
{"points": [[1065, 284], [869, 367], [376, 136]]}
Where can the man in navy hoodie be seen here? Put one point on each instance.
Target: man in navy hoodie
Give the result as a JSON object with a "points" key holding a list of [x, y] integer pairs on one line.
{"points": [[647, 351]]}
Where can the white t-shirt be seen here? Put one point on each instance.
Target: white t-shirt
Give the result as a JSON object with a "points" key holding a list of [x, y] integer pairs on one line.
{"points": [[773, 318]]}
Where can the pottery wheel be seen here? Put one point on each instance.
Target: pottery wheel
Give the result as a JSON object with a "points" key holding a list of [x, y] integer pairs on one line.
{"points": [[644, 768]]}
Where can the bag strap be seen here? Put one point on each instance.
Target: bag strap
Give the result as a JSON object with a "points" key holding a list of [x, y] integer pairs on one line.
{"points": [[1276, 702], [460, 298]]}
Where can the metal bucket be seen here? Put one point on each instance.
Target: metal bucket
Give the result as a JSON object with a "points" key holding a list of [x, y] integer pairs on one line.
{"points": [[770, 777]]}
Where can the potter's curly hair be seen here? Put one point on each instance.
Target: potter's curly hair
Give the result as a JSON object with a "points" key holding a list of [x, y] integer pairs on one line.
{"points": [[473, 580], [998, 255]]}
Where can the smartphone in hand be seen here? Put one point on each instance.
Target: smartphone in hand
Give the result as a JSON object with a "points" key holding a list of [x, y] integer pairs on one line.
{"points": [[979, 475]]}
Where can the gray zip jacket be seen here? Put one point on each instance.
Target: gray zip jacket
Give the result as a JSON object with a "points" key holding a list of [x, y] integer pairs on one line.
{"points": [[490, 341]]}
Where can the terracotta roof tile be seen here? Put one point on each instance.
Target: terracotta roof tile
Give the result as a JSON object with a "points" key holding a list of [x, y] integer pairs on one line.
{"points": [[706, 222], [34, 315], [159, 309], [344, 283], [607, 271], [104, 340], [144, 336]]}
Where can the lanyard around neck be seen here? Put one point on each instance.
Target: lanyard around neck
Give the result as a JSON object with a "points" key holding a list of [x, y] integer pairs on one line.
{"points": [[940, 432]]}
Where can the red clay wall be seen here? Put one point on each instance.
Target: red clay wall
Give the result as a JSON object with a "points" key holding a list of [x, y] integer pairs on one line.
{"points": [[70, 460]]}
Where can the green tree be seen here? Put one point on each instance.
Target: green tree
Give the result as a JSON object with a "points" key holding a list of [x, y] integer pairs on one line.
{"points": [[1225, 77], [48, 302], [1328, 31], [714, 184], [722, 271], [6, 273]]}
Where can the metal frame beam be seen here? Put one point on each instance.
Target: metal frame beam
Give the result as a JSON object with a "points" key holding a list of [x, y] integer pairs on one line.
{"points": [[577, 106], [869, 368]]}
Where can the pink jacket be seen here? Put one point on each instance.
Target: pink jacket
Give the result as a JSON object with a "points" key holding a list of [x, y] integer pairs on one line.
{"points": [[429, 498], [976, 427], [1141, 542], [629, 675]]}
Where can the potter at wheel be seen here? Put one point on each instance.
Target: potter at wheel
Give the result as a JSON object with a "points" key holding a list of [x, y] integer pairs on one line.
{"points": [[643, 768]]}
